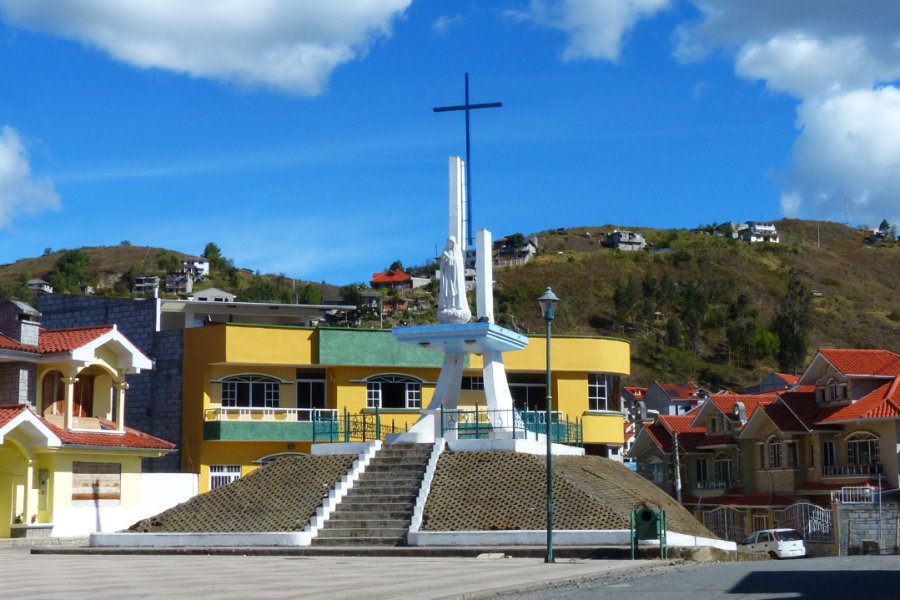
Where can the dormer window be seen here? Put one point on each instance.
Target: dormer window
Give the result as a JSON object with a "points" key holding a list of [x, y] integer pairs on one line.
{"points": [[832, 390]]}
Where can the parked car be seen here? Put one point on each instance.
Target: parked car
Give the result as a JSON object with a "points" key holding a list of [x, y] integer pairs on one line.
{"points": [[777, 543]]}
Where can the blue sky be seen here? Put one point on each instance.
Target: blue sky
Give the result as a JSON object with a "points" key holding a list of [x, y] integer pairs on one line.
{"points": [[300, 137]]}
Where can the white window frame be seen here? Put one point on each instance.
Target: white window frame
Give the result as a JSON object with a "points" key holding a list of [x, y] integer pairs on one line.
{"points": [[271, 391], [774, 452], [220, 475], [600, 387], [412, 392], [856, 442]]}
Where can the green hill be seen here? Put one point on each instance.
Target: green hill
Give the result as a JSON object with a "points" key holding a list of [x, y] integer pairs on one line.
{"points": [[701, 306], [696, 306]]}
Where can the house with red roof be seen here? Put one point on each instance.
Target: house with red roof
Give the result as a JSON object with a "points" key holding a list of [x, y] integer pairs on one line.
{"points": [[838, 426], [673, 398], [394, 279], [709, 455], [68, 463]]}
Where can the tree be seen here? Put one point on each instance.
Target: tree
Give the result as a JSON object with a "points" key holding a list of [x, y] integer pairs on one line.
{"points": [[396, 266], [168, 262], [793, 322], [310, 295], [350, 294], [515, 241]]}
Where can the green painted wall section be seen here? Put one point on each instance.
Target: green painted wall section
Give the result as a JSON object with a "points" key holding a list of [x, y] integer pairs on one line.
{"points": [[364, 347], [262, 431]]}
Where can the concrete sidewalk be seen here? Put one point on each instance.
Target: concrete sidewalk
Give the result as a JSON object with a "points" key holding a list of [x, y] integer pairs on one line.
{"points": [[76, 577]]}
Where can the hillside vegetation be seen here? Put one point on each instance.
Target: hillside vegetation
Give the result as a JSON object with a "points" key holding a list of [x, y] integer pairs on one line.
{"points": [[702, 307], [705, 308]]}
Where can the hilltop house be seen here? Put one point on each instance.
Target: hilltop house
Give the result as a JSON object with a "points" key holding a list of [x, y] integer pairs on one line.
{"points": [[40, 286], [396, 279], [755, 231], [625, 240], [195, 266], [68, 463], [774, 382]]}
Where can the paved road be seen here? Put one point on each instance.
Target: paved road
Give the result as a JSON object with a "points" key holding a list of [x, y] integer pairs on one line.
{"points": [[98, 577], [862, 577]]}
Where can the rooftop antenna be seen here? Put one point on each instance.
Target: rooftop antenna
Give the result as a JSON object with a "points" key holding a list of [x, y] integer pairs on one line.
{"points": [[470, 239]]}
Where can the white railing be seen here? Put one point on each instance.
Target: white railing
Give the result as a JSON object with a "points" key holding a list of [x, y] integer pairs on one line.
{"points": [[288, 415], [841, 470], [712, 485], [854, 494]]}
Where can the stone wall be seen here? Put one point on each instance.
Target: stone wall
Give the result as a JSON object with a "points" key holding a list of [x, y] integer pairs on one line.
{"points": [[859, 528], [18, 382], [153, 400]]}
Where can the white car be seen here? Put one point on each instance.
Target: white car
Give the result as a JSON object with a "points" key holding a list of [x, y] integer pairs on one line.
{"points": [[777, 543]]}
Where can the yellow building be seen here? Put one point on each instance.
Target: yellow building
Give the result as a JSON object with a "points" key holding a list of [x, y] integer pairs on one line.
{"points": [[68, 463], [255, 391]]}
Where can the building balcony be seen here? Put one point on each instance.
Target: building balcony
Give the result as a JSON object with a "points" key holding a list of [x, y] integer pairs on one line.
{"points": [[852, 470], [264, 424], [713, 485]]}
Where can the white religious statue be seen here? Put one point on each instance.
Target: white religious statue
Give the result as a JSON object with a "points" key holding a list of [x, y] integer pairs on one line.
{"points": [[453, 307]]}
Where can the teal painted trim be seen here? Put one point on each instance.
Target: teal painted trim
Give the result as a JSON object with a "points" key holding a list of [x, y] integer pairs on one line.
{"points": [[372, 347], [249, 431]]}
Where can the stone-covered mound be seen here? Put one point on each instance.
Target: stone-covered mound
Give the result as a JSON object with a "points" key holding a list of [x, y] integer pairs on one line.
{"points": [[485, 491], [280, 496]]}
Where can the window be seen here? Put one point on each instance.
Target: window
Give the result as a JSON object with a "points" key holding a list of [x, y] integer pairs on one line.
{"points": [[834, 390], [220, 475], [393, 391], [702, 475], [774, 447], [251, 391], [862, 449], [602, 392], [722, 469], [791, 452], [656, 470], [829, 455], [472, 383], [529, 392], [310, 393]]}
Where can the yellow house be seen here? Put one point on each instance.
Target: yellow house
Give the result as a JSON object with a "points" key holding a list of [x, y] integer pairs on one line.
{"points": [[68, 463], [252, 392]]}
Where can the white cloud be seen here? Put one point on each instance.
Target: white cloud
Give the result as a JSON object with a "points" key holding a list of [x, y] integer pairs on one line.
{"points": [[595, 28], [291, 46], [839, 60], [20, 192], [446, 22]]}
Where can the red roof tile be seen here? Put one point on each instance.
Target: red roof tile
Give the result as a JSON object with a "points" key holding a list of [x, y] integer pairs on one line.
{"points": [[725, 402], [65, 340], [788, 378], [784, 418], [877, 404], [7, 343], [863, 362], [677, 391], [105, 437], [390, 276]]}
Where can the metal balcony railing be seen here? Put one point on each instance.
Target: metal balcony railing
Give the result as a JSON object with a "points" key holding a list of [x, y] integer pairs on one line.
{"points": [[845, 470]]}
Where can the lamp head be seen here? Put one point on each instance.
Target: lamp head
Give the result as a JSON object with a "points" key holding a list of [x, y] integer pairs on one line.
{"points": [[548, 302]]}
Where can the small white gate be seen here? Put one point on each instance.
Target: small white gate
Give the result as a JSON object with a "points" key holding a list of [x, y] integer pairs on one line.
{"points": [[726, 522], [814, 522]]}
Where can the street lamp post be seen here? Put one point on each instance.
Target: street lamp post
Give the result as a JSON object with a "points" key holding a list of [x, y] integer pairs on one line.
{"points": [[548, 302]]}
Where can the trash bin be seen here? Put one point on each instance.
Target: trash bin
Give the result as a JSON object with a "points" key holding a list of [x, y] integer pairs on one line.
{"points": [[648, 524]]}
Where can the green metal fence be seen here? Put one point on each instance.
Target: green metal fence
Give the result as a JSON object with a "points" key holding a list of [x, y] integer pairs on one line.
{"points": [[479, 423], [353, 427]]}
